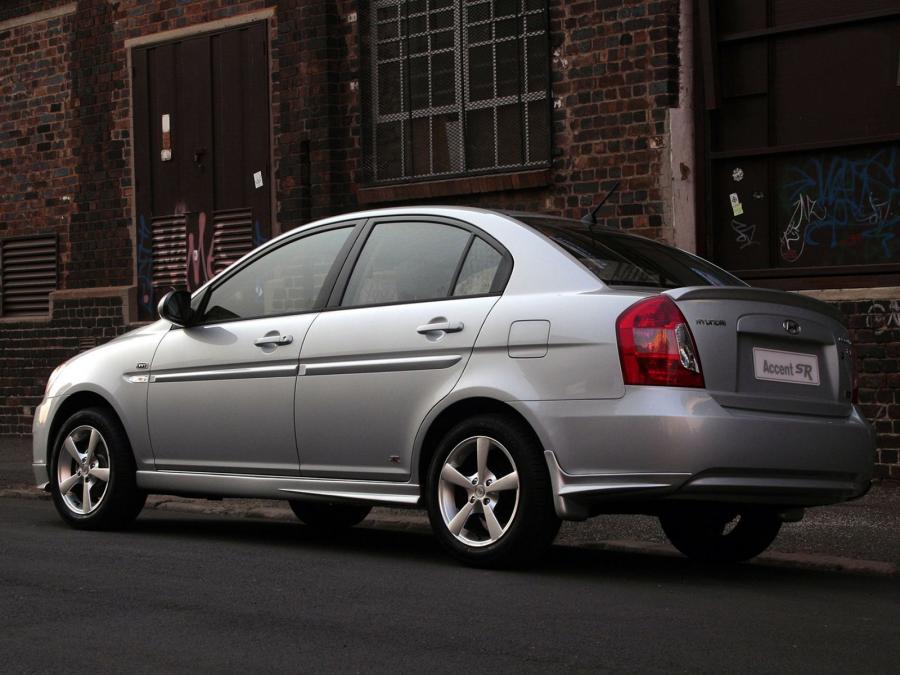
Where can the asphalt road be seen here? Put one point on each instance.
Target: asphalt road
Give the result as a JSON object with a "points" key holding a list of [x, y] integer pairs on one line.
{"points": [[196, 593]]}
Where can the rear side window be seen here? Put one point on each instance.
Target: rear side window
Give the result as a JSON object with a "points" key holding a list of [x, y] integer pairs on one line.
{"points": [[622, 260], [406, 262], [479, 271]]}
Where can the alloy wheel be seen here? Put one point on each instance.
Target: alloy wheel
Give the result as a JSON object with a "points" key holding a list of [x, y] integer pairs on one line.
{"points": [[82, 471], [478, 491]]}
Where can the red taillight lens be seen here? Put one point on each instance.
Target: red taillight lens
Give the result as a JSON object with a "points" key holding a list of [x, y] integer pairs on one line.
{"points": [[656, 345]]}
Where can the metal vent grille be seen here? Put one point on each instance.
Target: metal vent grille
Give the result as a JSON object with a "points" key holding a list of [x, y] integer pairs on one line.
{"points": [[232, 237], [456, 86], [169, 251], [27, 275]]}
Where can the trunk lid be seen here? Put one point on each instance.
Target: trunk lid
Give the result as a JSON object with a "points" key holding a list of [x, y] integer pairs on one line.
{"points": [[770, 350]]}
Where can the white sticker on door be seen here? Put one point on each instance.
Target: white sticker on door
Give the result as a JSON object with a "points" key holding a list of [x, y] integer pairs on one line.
{"points": [[257, 179]]}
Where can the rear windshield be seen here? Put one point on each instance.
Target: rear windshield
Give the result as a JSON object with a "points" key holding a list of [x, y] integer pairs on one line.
{"points": [[622, 260]]}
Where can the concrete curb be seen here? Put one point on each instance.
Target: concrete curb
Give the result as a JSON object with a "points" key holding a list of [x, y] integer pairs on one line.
{"points": [[418, 522]]}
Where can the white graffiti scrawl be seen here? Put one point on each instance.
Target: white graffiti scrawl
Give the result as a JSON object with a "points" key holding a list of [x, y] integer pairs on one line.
{"points": [[883, 316]]}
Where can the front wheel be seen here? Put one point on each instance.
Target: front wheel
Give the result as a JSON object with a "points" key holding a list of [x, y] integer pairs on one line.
{"points": [[719, 533], [488, 493], [92, 473]]}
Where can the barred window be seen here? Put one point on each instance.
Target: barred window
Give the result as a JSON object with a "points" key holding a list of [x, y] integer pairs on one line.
{"points": [[455, 87]]}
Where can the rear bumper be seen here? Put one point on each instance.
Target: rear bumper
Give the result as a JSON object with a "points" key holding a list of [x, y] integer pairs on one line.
{"points": [[660, 443]]}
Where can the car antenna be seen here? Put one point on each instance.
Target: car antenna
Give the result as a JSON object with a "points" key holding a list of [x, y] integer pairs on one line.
{"points": [[590, 218]]}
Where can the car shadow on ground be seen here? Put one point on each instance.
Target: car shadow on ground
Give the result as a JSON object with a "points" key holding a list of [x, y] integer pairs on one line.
{"points": [[583, 564]]}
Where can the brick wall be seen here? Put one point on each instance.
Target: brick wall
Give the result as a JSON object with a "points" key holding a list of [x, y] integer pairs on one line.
{"points": [[32, 349], [38, 179], [875, 330], [65, 151]]}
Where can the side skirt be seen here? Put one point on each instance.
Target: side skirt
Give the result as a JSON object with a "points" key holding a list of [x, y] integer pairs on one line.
{"points": [[277, 487]]}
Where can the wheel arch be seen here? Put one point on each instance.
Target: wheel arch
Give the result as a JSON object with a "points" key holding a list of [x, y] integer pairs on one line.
{"points": [[74, 402], [444, 419]]}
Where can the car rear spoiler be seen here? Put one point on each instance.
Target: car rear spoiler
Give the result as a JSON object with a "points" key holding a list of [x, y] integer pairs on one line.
{"points": [[755, 295]]}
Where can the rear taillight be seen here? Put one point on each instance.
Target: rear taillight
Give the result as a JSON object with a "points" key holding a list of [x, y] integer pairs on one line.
{"points": [[656, 346]]}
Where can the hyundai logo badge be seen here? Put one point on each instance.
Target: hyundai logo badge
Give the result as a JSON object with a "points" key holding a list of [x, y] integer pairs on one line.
{"points": [[791, 326]]}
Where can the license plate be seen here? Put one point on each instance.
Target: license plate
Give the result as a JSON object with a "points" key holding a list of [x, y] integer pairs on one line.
{"points": [[778, 366]]}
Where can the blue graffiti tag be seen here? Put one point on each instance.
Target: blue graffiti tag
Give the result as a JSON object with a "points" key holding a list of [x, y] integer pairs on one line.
{"points": [[258, 237], [842, 201], [145, 268]]}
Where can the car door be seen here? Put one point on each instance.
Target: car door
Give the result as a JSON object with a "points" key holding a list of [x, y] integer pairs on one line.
{"points": [[221, 393], [396, 337]]}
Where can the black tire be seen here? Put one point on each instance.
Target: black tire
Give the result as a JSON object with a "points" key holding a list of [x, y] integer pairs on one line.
{"points": [[701, 531], [532, 524], [122, 501], [330, 516]]}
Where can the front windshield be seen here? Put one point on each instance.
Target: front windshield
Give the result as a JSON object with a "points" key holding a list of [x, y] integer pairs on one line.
{"points": [[619, 259]]}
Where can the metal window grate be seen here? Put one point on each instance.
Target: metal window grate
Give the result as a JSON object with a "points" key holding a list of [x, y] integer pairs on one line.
{"points": [[27, 275], [456, 86]]}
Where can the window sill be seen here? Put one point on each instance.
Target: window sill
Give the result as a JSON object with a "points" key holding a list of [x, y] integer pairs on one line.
{"points": [[464, 185]]}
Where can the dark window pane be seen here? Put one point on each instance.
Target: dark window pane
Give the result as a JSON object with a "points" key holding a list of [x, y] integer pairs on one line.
{"points": [[417, 24], [505, 7], [539, 131], [441, 20], [406, 262], [389, 150], [481, 73], [287, 280], [443, 79], [443, 40], [418, 82], [535, 22], [537, 63], [479, 270], [387, 13], [388, 30], [389, 50], [480, 138], [505, 28], [479, 33], [418, 44], [390, 88], [507, 68], [478, 11], [509, 135], [419, 145]]}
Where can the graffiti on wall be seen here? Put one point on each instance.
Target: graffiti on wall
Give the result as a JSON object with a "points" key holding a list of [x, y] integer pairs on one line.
{"points": [[883, 316], [145, 268], [842, 208]]}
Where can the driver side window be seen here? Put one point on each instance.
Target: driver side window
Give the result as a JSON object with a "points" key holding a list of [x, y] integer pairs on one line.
{"points": [[288, 280]]}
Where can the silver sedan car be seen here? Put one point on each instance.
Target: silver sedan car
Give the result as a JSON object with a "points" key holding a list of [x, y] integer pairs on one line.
{"points": [[504, 371]]}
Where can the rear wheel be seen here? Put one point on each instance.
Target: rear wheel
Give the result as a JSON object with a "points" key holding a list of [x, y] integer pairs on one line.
{"points": [[330, 515], [92, 473], [719, 533], [488, 493]]}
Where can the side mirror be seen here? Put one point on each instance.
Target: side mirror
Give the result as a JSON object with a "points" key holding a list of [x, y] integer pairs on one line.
{"points": [[175, 306]]}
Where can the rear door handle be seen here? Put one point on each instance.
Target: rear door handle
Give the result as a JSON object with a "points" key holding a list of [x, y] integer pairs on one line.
{"points": [[445, 326], [274, 340]]}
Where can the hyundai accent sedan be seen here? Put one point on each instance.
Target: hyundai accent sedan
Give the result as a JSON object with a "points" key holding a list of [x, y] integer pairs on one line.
{"points": [[503, 371]]}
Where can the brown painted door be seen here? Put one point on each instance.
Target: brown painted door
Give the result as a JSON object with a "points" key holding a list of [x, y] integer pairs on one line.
{"points": [[202, 162]]}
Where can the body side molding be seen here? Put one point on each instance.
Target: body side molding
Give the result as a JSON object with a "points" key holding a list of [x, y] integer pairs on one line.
{"points": [[276, 487]]}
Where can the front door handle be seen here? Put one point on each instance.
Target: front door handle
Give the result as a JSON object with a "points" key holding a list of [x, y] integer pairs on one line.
{"points": [[274, 340], [445, 326]]}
